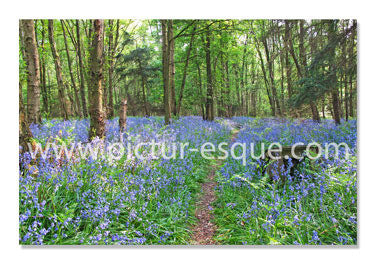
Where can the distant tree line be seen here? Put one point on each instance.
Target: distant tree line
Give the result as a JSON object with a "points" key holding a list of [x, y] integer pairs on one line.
{"points": [[281, 68]]}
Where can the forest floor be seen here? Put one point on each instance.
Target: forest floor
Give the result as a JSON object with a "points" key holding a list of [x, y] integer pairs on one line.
{"points": [[192, 200], [204, 230]]}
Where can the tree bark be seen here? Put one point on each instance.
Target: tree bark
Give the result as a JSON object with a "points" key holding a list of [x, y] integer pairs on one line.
{"points": [[287, 62], [58, 70], [76, 97], [272, 104], [185, 71], [24, 130], [81, 71], [271, 77], [201, 96], [209, 101], [112, 48], [144, 82], [97, 116], [333, 76], [123, 115], [166, 68], [42, 60], [33, 71], [242, 74], [172, 68], [352, 63], [302, 72]]}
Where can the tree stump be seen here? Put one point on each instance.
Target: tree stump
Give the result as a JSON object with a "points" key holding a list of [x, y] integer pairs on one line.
{"points": [[282, 158]]}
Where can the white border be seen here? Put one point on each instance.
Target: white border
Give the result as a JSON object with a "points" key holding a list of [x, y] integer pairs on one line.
{"points": [[13, 10]]}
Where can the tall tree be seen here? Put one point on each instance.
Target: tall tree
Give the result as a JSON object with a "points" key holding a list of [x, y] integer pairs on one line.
{"points": [[112, 46], [332, 24], [287, 62], [271, 76], [81, 71], [42, 60], [172, 68], [78, 105], [303, 59], [58, 70], [97, 115], [33, 71], [165, 56], [185, 70], [210, 93]]}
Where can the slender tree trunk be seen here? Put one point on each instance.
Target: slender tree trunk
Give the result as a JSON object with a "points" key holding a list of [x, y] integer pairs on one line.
{"points": [[33, 71], [352, 63], [172, 68], [201, 96], [97, 116], [58, 69], [112, 48], [165, 70], [243, 71], [282, 84], [227, 88], [346, 91], [302, 72], [42, 69], [76, 97], [253, 94], [144, 81], [333, 76], [271, 101], [209, 101], [81, 71], [287, 62], [185, 71], [351, 111], [123, 115], [271, 77]]}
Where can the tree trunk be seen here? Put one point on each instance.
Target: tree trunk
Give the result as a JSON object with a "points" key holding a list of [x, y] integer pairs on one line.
{"points": [[59, 77], [172, 68], [81, 72], [24, 130], [271, 77], [42, 60], [243, 72], [123, 115], [76, 97], [111, 48], [271, 101], [227, 88], [144, 81], [346, 91], [333, 76], [287, 62], [302, 72], [209, 101], [185, 71], [282, 83], [33, 71], [97, 116], [201, 97], [165, 71], [352, 63]]}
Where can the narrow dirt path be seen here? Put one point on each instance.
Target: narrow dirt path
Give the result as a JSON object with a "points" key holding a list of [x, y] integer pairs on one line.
{"points": [[204, 230]]}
